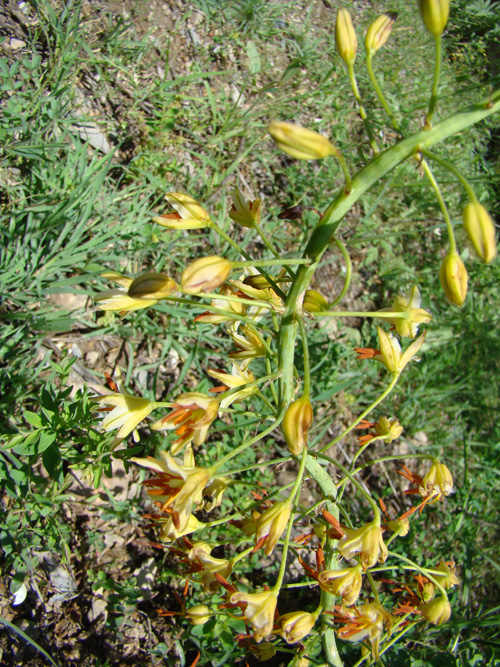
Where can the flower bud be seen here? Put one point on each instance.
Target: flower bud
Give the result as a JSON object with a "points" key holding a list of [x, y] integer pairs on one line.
{"points": [[205, 274], [345, 37], [437, 611], [263, 651], [435, 15], [314, 302], [296, 625], [480, 230], [246, 214], [299, 142], [198, 615], [271, 524], [453, 276], [189, 214], [379, 31], [151, 286], [296, 423]]}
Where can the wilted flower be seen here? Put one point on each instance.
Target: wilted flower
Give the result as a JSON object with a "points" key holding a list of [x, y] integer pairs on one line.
{"points": [[410, 306], [299, 142], [448, 579], [345, 37], [366, 541], [259, 611], [453, 277], [246, 214], [271, 524], [177, 487], [480, 230], [189, 214], [205, 274], [295, 625], [345, 583], [379, 31], [437, 611], [215, 491], [296, 424], [389, 429], [191, 416]]}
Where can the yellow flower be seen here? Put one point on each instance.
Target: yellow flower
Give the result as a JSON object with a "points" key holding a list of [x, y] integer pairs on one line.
{"points": [[260, 608], [249, 343], [366, 622], [453, 277], [390, 351], [410, 305], [118, 299], [435, 15], [238, 378], [299, 142], [205, 274], [480, 230], [127, 413], [437, 611], [169, 532], [189, 214], [271, 524], [366, 541], [191, 416], [437, 483], [214, 491], [178, 487], [345, 37], [389, 429], [296, 625], [296, 424], [151, 286], [246, 214], [379, 31], [208, 566], [344, 583], [448, 579]]}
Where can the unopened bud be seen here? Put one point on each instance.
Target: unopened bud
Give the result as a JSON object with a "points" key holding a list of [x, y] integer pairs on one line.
{"points": [[437, 611], [435, 15], [480, 230], [205, 274], [151, 286], [198, 615], [379, 31], [299, 142], [453, 276], [296, 423], [263, 651], [345, 37], [314, 302]]}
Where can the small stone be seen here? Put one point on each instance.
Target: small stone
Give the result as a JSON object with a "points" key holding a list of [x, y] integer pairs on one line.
{"points": [[16, 44]]}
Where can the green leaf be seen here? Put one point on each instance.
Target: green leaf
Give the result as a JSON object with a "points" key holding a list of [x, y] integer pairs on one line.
{"points": [[33, 419]]}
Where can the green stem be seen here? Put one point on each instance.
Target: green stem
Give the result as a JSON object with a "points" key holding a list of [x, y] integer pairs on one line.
{"points": [[442, 205], [294, 498], [362, 112], [270, 262], [435, 84], [345, 169], [307, 367], [451, 167], [422, 570], [248, 385], [236, 299], [379, 93], [373, 405], [348, 270], [248, 443], [383, 315], [354, 481]]}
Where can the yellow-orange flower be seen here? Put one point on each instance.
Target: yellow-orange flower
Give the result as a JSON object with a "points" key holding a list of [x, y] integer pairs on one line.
{"points": [[271, 524], [295, 625], [178, 487], [410, 306], [189, 214], [366, 622], [208, 566], [366, 541], [191, 416], [437, 611], [259, 611], [345, 583], [296, 424]]}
